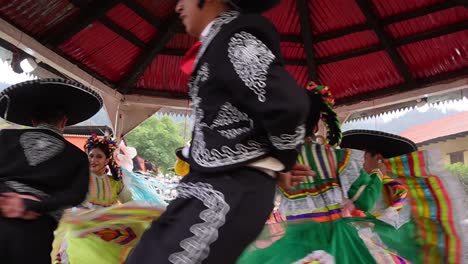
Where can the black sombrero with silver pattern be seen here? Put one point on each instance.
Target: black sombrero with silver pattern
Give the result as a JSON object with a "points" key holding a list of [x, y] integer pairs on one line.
{"points": [[389, 145], [19, 102]]}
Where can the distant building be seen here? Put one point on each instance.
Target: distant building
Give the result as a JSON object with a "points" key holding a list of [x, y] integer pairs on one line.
{"points": [[449, 134], [77, 135]]}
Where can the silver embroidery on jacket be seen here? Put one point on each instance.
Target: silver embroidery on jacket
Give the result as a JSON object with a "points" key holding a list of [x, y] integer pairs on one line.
{"points": [[287, 141], [23, 188], [233, 132], [251, 59], [40, 147], [223, 19], [197, 247], [212, 158], [230, 115]]}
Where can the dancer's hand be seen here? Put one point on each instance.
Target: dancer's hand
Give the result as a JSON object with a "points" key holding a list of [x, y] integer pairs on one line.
{"points": [[29, 215], [302, 170], [292, 178], [12, 205], [374, 162]]}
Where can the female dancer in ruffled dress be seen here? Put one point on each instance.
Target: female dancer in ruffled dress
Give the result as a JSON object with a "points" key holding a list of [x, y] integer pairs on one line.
{"points": [[320, 227], [102, 230]]}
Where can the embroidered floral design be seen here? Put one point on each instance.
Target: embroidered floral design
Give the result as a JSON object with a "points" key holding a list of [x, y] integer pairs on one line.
{"points": [[287, 141], [251, 59], [197, 247]]}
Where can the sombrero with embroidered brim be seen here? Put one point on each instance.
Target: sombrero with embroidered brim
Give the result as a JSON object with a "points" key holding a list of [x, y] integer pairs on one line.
{"points": [[389, 145], [19, 103], [253, 6]]}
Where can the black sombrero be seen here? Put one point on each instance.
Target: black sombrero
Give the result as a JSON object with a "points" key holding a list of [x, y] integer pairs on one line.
{"points": [[20, 102], [389, 145], [253, 6]]}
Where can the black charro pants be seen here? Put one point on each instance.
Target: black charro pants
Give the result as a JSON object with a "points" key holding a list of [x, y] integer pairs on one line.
{"points": [[214, 218], [26, 241]]}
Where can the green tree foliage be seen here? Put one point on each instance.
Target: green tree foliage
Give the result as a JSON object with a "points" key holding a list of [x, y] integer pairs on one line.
{"points": [[461, 171], [185, 130], [156, 140]]}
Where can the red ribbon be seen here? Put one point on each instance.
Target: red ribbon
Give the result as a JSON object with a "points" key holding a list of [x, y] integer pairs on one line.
{"points": [[189, 58]]}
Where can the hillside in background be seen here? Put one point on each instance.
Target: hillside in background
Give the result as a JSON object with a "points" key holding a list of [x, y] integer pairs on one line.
{"points": [[399, 123]]}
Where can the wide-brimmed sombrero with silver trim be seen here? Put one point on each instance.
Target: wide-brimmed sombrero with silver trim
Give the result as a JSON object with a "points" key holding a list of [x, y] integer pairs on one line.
{"points": [[20, 102], [253, 6], [389, 145]]}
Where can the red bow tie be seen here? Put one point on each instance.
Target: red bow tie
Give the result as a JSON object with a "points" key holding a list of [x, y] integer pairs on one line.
{"points": [[189, 58]]}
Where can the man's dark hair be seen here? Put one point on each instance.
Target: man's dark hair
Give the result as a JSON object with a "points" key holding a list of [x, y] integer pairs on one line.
{"points": [[149, 166], [48, 114], [313, 117], [201, 4], [373, 152], [136, 164]]}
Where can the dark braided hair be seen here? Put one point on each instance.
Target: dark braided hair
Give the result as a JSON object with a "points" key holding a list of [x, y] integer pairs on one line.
{"points": [[320, 95]]}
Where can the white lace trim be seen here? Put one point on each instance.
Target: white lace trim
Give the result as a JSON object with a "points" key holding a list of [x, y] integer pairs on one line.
{"points": [[287, 141], [373, 242], [40, 147], [310, 203], [251, 60], [396, 218], [352, 171], [197, 247]]}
